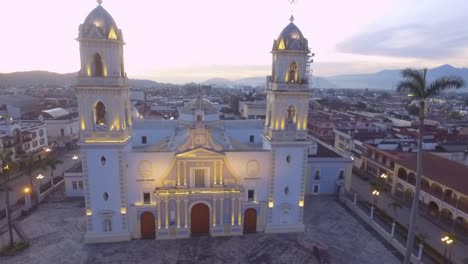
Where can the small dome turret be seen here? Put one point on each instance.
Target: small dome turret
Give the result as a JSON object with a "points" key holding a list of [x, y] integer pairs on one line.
{"points": [[99, 24], [291, 38]]}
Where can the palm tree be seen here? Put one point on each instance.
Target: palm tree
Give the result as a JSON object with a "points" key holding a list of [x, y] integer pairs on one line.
{"points": [[6, 166], [30, 165], [415, 82], [52, 163]]}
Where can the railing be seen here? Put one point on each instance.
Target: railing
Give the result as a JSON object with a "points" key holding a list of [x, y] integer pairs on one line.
{"points": [[101, 81]]}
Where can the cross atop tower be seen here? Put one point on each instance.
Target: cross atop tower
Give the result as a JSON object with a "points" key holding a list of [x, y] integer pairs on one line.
{"points": [[99, 2]]}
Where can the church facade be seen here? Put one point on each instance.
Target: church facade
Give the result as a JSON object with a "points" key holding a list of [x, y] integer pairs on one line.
{"points": [[197, 175]]}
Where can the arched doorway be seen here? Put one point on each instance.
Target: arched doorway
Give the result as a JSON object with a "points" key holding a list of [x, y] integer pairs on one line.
{"points": [[250, 221], [147, 225], [200, 219], [433, 209]]}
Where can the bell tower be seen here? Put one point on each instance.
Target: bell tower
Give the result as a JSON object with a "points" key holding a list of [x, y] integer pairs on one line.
{"points": [[105, 126], [285, 132]]}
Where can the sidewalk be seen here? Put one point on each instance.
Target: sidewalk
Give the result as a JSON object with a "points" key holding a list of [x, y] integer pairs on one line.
{"points": [[434, 233]]}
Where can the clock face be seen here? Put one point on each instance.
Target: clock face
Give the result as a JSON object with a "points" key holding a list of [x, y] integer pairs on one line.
{"points": [[199, 140]]}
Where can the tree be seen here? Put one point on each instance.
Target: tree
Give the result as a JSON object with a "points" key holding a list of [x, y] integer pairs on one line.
{"points": [[29, 165], [6, 167], [52, 163], [415, 82]]}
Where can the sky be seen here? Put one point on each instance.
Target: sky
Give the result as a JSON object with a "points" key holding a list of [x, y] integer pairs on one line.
{"points": [[185, 40]]}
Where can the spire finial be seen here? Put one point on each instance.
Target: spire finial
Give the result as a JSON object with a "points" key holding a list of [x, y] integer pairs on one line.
{"points": [[291, 18], [99, 2]]}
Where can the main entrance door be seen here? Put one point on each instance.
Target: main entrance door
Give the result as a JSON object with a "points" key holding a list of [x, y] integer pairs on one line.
{"points": [[147, 226], [200, 219], [250, 221]]}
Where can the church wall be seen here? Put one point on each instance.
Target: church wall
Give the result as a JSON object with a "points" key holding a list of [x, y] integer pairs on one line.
{"points": [[287, 181], [145, 171], [253, 170], [243, 135], [103, 184], [155, 132]]}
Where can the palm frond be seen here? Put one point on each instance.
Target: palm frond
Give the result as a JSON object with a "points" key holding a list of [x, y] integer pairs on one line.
{"points": [[411, 74], [444, 83], [409, 86]]}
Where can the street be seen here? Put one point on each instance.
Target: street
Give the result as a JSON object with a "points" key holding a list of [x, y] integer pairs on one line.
{"points": [[433, 232]]}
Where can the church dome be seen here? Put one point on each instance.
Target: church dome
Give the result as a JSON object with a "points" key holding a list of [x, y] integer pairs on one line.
{"points": [[291, 38], [99, 24], [191, 111], [199, 104]]}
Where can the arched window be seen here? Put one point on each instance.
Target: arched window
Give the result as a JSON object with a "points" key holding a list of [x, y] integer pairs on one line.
{"points": [[291, 75], [100, 114], [98, 65]]}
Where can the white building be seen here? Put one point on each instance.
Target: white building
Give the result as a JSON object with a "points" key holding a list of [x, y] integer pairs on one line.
{"points": [[23, 137], [62, 126], [198, 174]]}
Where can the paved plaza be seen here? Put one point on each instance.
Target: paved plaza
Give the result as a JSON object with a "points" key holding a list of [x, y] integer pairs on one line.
{"points": [[57, 228]]}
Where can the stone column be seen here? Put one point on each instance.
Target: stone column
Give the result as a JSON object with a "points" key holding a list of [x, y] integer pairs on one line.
{"points": [[178, 173], [185, 172], [221, 217], [214, 211], [239, 213], [214, 172], [167, 213], [159, 213], [186, 212], [232, 210], [221, 172], [178, 212]]}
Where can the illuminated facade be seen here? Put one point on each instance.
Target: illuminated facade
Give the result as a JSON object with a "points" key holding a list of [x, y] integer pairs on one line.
{"points": [[198, 174]]}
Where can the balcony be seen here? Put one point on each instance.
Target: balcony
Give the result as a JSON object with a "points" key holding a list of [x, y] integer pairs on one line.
{"points": [[101, 81], [297, 87]]}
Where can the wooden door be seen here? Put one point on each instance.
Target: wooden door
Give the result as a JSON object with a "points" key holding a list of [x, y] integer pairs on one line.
{"points": [[200, 219], [148, 228], [250, 221]]}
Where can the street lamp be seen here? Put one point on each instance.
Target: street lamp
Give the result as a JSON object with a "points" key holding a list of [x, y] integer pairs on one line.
{"points": [[39, 177], [376, 194], [75, 157], [384, 176], [27, 197], [47, 150], [447, 241]]}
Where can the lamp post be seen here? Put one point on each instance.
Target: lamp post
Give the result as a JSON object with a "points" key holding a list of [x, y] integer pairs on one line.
{"points": [[376, 194], [27, 197], [39, 177], [447, 240]]}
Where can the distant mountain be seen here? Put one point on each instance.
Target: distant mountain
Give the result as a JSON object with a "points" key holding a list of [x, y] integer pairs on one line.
{"points": [[388, 79], [52, 79], [221, 82], [35, 79]]}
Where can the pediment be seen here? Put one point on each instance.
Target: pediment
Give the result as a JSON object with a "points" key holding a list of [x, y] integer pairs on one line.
{"points": [[200, 152], [200, 137]]}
